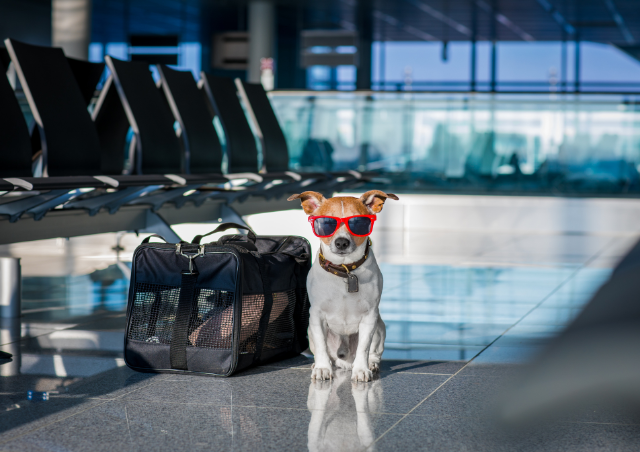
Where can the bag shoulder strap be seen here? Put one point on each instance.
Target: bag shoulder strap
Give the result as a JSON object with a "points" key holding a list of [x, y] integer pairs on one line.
{"points": [[180, 332], [223, 227], [268, 305]]}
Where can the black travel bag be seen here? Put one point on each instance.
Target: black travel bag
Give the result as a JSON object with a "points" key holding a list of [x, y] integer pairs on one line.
{"points": [[217, 308]]}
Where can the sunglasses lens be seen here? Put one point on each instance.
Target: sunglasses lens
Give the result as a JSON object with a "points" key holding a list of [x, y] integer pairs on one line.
{"points": [[324, 226], [360, 225]]}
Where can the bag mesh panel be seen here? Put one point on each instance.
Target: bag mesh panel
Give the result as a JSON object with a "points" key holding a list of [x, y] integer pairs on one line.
{"points": [[212, 325], [211, 322], [281, 327], [251, 312], [154, 312]]}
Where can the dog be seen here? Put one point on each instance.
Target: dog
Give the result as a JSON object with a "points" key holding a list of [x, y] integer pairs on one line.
{"points": [[344, 285]]}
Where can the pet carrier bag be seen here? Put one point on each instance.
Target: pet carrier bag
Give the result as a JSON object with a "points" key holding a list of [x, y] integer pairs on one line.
{"points": [[217, 308]]}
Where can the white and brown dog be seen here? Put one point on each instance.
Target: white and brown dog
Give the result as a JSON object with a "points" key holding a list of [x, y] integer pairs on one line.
{"points": [[345, 285]]}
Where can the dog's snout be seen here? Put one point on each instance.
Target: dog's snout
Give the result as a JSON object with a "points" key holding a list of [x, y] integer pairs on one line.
{"points": [[342, 243]]}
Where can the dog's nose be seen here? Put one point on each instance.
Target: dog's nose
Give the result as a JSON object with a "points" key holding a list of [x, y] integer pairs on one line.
{"points": [[342, 243]]}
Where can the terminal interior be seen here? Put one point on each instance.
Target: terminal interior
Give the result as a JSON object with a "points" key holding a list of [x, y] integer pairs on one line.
{"points": [[509, 130]]}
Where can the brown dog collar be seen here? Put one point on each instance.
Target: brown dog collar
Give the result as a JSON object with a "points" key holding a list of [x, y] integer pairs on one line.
{"points": [[344, 270]]}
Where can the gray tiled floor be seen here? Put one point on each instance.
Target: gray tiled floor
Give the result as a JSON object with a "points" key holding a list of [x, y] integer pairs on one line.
{"points": [[458, 326]]}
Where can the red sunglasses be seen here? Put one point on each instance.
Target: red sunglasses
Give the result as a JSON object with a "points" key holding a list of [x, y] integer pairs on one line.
{"points": [[358, 225]]}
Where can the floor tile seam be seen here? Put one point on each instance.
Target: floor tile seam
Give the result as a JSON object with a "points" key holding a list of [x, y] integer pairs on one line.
{"points": [[285, 367], [382, 371], [593, 257], [412, 409], [537, 305], [445, 416], [416, 373], [429, 344], [637, 424], [262, 407]]}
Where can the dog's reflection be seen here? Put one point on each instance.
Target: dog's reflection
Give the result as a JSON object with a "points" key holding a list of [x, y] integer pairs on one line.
{"points": [[336, 424]]}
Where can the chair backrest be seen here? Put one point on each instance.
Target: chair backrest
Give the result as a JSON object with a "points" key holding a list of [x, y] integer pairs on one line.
{"points": [[5, 59], [275, 153], [15, 146], [242, 152], [112, 125], [158, 149], [87, 76], [69, 139], [203, 152]]}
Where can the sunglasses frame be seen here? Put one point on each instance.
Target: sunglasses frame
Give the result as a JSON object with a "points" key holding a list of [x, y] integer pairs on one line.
{"points": [[341, 221]]}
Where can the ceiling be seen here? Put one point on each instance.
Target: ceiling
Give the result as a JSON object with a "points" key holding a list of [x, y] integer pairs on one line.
{"points": [[607, 21]]}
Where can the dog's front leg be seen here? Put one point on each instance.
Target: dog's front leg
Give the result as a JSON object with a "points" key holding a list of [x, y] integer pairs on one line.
{"points": [[322, 362], [360, 370]]}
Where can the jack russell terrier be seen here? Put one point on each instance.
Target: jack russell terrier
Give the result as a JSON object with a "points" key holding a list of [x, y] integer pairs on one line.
{"points": [[344, 285]]}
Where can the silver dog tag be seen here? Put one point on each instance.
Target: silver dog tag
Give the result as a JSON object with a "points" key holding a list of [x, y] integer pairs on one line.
{"points": [[352, 283]]}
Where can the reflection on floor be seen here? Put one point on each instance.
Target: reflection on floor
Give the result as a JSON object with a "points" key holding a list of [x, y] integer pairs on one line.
{"points": [[457, 323]]}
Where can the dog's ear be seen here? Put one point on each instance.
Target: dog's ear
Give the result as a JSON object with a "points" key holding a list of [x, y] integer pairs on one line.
{"points": [[374, 199], [311, 201]]}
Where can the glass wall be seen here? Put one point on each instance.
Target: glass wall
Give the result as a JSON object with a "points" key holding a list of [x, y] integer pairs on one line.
{"points": [[538, 143]]}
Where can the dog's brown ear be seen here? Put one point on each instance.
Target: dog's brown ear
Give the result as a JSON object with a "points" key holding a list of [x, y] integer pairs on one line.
{"points": [[374, 199], [311, 200]]}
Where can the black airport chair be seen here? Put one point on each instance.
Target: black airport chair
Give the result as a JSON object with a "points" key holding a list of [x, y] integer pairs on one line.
{"points": [[16, 161], [203, 151], [201, 142], [15, 148], [71, 147], [221, 100], [274, 145], [158, 148], [112, 127], [87, 76], [59, 110], [5, 59]]}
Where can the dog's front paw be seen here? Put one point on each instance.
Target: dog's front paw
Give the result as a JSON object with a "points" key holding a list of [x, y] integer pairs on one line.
{"points": [[361, 374], [321, 373], [374, 367]]}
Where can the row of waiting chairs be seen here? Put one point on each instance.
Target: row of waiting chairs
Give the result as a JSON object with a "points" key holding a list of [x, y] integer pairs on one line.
{"points": [[80, 150]]}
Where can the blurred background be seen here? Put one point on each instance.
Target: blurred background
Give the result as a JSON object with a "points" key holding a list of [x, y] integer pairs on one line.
{"points": [[508, 128], [444, 95]]}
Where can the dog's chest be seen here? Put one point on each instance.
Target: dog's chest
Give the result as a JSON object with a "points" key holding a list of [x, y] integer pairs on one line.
{"points": [[343, 311]]}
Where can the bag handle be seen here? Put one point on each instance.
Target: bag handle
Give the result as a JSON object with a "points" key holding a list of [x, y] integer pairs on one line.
{"points": [[223, 227], [146, 239]]}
